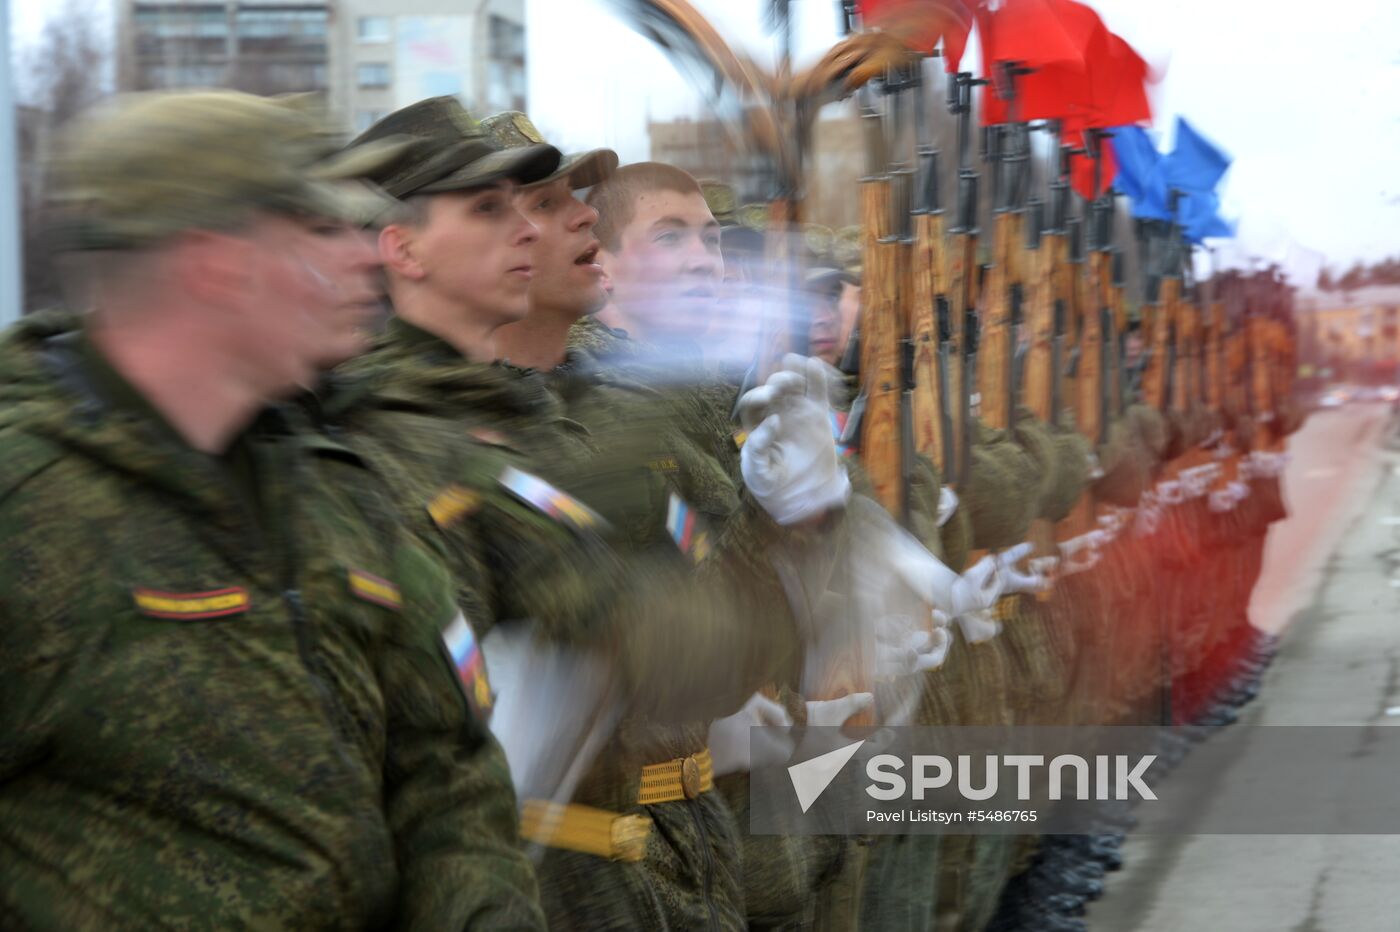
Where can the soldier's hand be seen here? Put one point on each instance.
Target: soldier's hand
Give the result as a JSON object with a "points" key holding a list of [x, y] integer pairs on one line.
{"points": [[979, 626], [977, 589], [832, 712], [947, 504], [735, 748], [789, 461], [1013, 580]]}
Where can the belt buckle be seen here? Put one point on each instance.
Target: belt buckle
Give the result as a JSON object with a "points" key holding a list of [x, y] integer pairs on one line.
{"points": [[690, 777]]}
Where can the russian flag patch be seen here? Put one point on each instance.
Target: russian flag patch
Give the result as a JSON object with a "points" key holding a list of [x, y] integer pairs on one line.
{"points": [[462, 648], [686, 529]]}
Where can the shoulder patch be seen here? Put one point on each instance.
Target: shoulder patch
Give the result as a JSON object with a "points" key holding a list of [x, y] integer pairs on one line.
{"points": [[687, 529], [453, 504], [191, 606], [740, 438], [462, 649], [375, 589], [545, 498]]}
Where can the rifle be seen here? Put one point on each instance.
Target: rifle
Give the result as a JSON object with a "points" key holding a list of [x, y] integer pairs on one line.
{"points": [[881, 332], [1156, 320], [1122, 386], [1092, 413], [962, 274], [1008, 152], [929, 329], [1043, 316]]}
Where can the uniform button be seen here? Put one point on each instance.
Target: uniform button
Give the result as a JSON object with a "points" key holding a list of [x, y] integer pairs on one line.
{"points": [[690, 777]]}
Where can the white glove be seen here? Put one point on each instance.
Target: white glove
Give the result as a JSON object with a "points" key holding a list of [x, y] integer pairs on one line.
{"points": [[903, 649], [979, 626], [1170, 492], [789, 461], [1149, 519], [1095, 467], [736, 749], [834, 712], [947, 504], [977, 589], [1222, 500], [1013, 580]]}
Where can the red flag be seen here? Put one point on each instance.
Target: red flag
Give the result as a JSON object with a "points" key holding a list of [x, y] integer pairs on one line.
{"points": [[920, 23], [1102, 85]]}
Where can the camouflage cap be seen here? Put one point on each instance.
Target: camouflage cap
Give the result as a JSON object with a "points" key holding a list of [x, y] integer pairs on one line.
{"points": [[512, 129], [142, 167], [721, 199], [825, 281], [453, 152]]}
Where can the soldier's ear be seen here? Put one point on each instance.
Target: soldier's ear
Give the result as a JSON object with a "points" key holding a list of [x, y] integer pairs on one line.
{"points": [[397, 253]]}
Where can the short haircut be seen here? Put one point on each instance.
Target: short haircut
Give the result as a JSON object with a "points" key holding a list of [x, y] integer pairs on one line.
{"points": [[615, 197]]}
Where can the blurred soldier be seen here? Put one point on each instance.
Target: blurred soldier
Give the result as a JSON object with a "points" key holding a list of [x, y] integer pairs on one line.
{"points": [[224, 695], [701, 831], [691, 648], [825, 290]]}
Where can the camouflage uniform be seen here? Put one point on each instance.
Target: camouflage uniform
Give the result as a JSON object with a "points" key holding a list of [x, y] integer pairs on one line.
{"points": [[784, 878], [224, 695], [682, 628]]}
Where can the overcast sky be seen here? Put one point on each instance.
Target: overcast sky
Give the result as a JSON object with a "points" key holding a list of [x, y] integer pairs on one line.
{"points": [[1305, 96]]}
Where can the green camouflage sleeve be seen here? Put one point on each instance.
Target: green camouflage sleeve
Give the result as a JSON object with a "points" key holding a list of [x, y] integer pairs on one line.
{"points": [[448, 795]]}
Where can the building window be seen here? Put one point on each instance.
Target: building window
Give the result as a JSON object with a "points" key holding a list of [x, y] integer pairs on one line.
{"points": [[372, 74], [372, 29], [505, 72], [364, 119], [180, 76], [507, 39]]}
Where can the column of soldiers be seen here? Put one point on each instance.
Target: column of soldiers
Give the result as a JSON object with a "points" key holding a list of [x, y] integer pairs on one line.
{"points": [[460, 619]]}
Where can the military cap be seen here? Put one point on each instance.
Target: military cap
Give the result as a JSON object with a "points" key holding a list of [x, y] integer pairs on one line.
{"points": [[754, 216], [512, 129], [720, 198], [818, 240], [142, 167], [825, 280], [846, 249], [453, 151]]}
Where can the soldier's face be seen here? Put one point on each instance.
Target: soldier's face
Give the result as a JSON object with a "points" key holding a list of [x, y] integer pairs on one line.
{"points": [[567, 276], [825, 330], [471, 254], [313, 297], [667, 271]]}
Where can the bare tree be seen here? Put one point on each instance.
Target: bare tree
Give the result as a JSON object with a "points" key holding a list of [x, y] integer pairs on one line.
{"points": [[60, 76]]}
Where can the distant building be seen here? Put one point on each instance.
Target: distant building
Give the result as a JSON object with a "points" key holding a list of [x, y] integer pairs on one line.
{"points": [[261, 46], [1355, 332], [369, 57], [389, 53]]}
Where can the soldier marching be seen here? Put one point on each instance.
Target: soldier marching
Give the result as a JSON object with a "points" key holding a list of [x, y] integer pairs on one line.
{"points": [[462, 619]]}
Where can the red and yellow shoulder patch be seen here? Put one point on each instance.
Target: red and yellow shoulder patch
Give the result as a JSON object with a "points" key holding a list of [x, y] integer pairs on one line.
{"points": [[191, 606], [453, 504], [375, 589]]}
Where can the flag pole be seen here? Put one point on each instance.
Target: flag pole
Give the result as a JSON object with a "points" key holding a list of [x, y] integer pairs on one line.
{"points": [[11, 271]]}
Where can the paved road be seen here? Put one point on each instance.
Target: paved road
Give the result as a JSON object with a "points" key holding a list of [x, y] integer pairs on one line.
{"points": [[1331, 585]]}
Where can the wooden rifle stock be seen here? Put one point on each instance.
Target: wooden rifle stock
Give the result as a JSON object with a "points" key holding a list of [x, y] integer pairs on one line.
{"points": [[881, 332], [932, 421], [995, 344]]}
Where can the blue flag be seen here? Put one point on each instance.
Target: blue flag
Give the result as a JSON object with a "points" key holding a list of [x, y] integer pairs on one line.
{"points": [[1140, 172], [1195, 164], [1198, 213]]}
